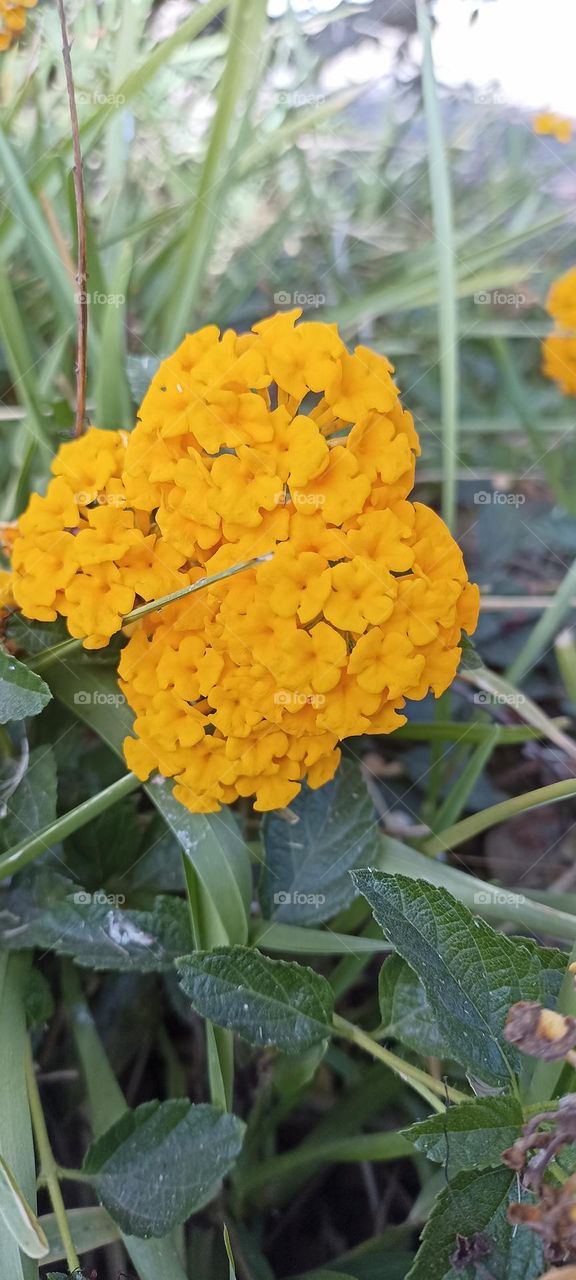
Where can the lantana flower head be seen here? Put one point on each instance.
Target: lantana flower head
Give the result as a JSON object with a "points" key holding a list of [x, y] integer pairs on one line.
{"points": [[279, 445]]}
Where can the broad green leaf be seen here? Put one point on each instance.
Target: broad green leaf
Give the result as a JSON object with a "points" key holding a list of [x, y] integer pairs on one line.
{"points": [[307, 862], [22, 692], [405, 1011], [476, 1203], [33, 804], [47, 910], [472, 1135], [471, 973], [267, 1002], [212, 843], [162, 1162], [17, 1215]]}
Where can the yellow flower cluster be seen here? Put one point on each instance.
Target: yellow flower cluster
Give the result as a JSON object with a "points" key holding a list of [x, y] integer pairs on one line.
{"points": [[547, 124], [80, 552], [278, 444], [559, 349], [12, 20]]}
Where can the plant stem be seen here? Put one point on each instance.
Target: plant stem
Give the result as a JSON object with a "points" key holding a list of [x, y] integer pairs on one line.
{"points": [[421, 1081], [59, 651], [442, 215], [81, 274], [48, 1168], [21, 854], [546, 1075], [496, 813]]}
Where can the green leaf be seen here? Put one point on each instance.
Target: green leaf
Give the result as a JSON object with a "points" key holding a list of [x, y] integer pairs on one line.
{"points": [[268, 1002], [405, 1011], [91, 1228], [38, 999], [471, 973], [443, 220], [47, 910], [476, 1203], [22, 692], [162, 1162], [15, 1124], [33, 804], [472, 1135], [308, 861], [313, 942], [17, 1215]]}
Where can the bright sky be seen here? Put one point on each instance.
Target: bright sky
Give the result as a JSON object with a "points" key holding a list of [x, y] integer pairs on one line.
{"points": [[525, 46]]}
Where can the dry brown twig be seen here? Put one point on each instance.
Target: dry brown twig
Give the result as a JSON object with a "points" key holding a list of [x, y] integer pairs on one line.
{"points": [[81, 274]]}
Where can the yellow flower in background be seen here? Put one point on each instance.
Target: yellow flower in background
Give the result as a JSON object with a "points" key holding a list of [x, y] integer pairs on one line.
{"points": [[559, 362], [547, 124], [12, 20], [277, 444], [561, 300], [559, 349]]}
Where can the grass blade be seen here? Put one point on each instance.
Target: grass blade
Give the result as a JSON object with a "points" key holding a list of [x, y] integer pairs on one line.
{"points": [[444, 235]]}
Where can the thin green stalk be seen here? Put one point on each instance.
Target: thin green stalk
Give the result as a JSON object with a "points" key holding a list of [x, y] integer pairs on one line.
{"points": [[152, 1258], [62, 650], [21, 854], [363, 1146], [48, 1168], [546, 628], [424, 1084], [441, 197], [546, 1075], [565, 648], [244, 31], [460, 791], [496, 813], [16, 1140]]}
